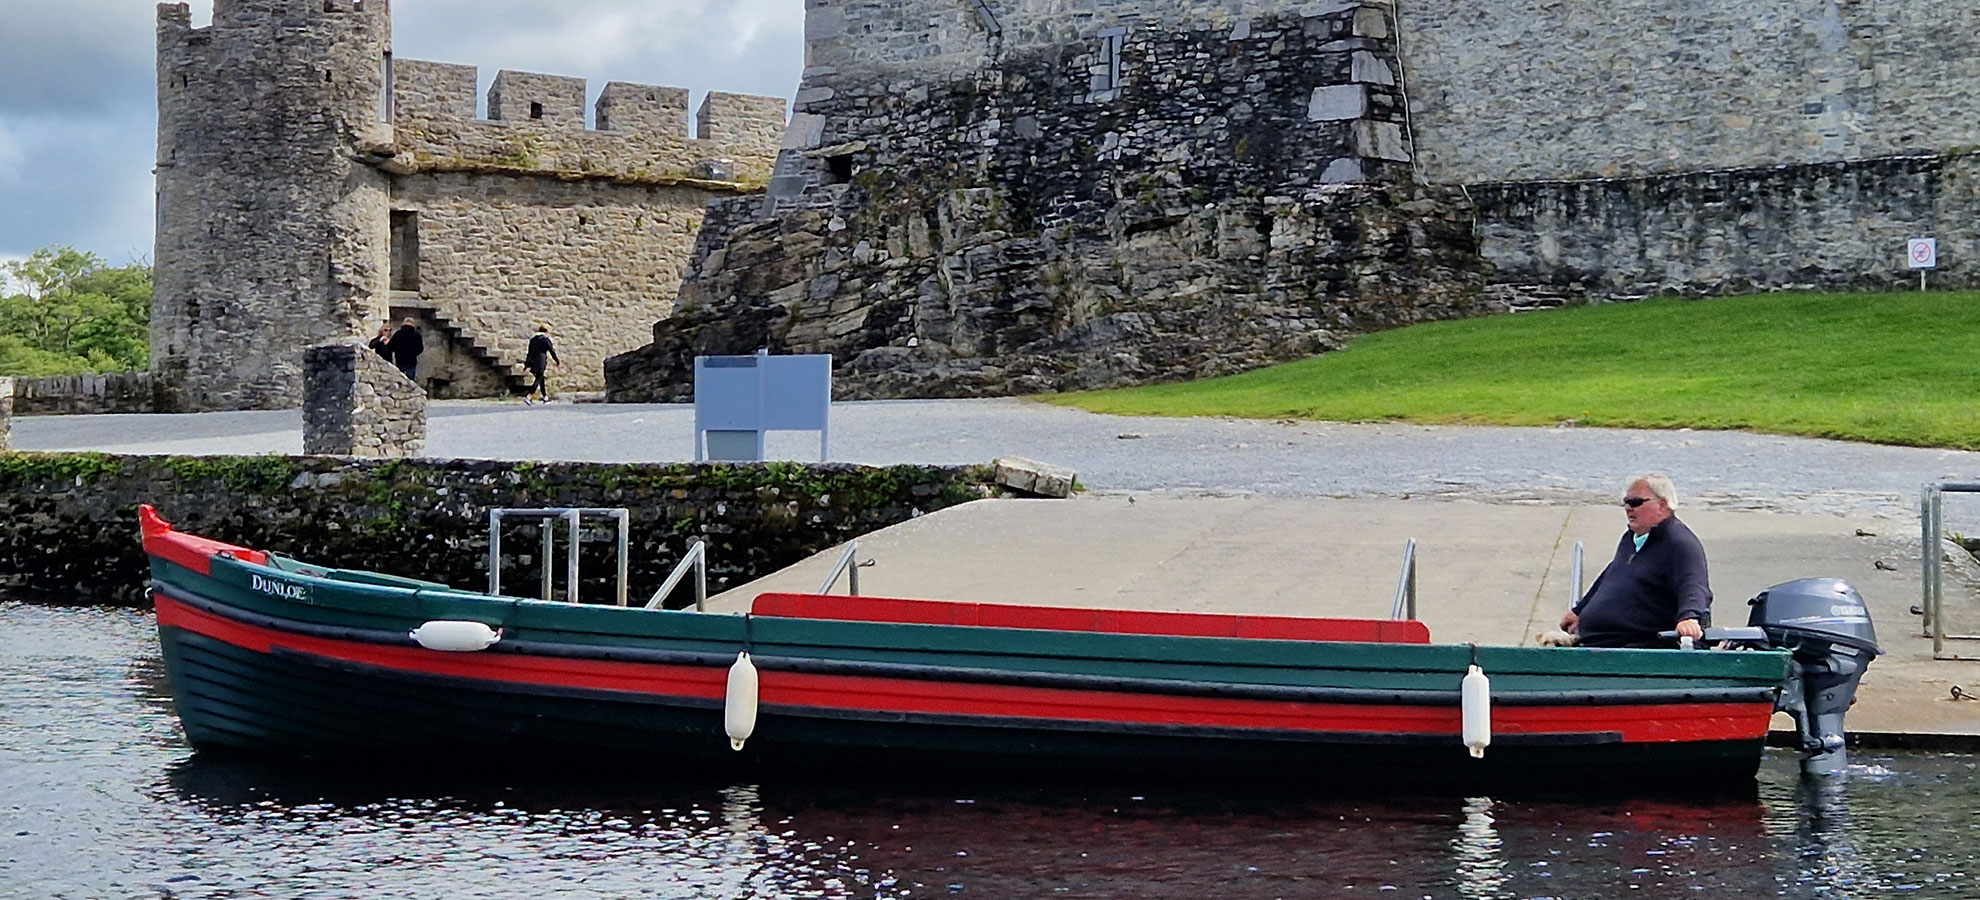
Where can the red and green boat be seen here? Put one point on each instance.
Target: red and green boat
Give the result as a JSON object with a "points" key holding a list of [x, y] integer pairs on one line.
{"points": [[269, 655]]}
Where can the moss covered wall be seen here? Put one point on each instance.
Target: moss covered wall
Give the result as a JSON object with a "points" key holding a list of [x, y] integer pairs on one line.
{"points": [[69, 533]]}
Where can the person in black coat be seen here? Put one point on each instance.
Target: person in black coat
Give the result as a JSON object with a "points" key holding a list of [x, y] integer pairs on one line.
{"points": [[1657, 581], [537, 360], [379, 340], [404, 348]]}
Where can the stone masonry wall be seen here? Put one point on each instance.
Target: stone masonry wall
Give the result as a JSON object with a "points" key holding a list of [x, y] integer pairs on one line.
{"points": [[90, 394], [271, 232], [1154, 203], [303, 200], [1562, 90], [595, 261], [428, 518], [536, 124], [6, 414], [1840, 225], [1624, 149], [357, 404], [1598, 151]]}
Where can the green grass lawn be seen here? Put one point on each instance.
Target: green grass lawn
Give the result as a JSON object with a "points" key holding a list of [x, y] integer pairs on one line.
{"points": [[1888, 368]]}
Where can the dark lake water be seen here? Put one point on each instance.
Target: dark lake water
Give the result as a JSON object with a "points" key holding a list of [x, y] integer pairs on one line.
{"points": [[100, 797]]}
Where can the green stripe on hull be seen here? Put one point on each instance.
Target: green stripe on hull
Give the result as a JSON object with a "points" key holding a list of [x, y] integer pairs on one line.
{"points": [[1259, 662]]}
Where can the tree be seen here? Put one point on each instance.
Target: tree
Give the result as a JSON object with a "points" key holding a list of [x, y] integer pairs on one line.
{"points": [[74, 314]]}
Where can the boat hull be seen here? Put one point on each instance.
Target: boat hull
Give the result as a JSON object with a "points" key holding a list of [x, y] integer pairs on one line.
{"points": [[268, 685]]}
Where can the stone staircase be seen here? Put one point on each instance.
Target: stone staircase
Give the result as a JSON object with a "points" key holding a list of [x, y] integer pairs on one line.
{"points": [[511, 373]]}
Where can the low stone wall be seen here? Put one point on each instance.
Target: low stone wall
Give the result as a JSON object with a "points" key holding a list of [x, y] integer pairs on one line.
{"points": [[70, 533], [6, 414], [106, 392], [1819, 226], [357, 404]]}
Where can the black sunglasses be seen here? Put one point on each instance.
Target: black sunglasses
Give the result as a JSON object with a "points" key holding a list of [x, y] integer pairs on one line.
{"points": [[1634, 502]]}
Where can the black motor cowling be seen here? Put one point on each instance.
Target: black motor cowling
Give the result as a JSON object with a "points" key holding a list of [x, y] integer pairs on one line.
{"points": [[1824, 624]]}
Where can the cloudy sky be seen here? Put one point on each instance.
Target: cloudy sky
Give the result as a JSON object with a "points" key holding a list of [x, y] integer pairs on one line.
{"points": [[78, 103]]}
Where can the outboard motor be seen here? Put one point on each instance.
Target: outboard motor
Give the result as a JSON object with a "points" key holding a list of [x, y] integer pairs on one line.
{"points": [[1824, 624]]}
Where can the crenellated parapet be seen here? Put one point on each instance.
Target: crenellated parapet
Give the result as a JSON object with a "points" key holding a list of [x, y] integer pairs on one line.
{"points": [[536, 124]]}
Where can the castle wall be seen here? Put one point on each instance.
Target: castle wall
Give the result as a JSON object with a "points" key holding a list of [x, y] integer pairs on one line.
{"points": [[537, 125], [1136, 204], [597, 261], [268, 233], [1815, 226], [1553, 91], [288, 172]]}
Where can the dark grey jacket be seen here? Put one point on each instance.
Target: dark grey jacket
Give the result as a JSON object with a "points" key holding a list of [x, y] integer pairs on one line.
{"points": [[1648, 591]]}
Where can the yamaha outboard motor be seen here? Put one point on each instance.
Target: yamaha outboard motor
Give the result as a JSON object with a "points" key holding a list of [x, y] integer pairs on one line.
{"points": [[1824, 624]]}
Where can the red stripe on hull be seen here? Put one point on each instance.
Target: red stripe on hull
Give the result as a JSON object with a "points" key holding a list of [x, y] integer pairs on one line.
{"points": [[1115, 621], [1638, 723], [792, 690]]}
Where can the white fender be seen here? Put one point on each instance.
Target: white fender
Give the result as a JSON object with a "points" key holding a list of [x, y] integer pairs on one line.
{"points": [[1475, 693], [739, 710], [454, 635]]}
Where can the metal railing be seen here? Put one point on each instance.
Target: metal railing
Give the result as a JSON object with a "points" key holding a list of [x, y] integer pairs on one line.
{"points": [[1574, 577], [847, 565], [1931, 525], [546, 522], [1405, 606], [696, 558]]}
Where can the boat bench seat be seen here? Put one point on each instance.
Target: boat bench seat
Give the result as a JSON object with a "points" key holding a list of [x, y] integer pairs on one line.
{"points": [[1058, 618]]}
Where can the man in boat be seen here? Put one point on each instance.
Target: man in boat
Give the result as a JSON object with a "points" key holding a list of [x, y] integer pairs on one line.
{"points": [[1657, 581]]}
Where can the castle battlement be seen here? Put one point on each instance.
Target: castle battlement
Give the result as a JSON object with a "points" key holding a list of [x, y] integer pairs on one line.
{"points": [[292, 14], [536, 123]]}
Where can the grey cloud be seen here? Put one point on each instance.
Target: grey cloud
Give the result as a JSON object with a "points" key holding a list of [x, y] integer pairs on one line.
{"points": [[74, 57], [81, 182]]}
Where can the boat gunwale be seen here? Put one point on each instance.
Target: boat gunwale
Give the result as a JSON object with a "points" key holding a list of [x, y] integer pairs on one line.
{"points": [[982, 675]]}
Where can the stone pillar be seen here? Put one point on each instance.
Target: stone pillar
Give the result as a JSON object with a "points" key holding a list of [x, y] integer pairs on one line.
{"points": [[6, 413], [357, 404]]}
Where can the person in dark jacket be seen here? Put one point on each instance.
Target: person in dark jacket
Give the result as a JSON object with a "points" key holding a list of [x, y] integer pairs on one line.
{"points": [[379, 340], [1657, 582], [541, 354], [404, 348]]}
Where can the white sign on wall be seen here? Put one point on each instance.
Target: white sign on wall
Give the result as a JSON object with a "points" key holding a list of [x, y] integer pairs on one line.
{"points": [[1924, 253]]}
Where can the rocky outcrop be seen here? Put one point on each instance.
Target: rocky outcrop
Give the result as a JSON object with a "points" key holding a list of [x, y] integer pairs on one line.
{"points": [[1245, 199]]}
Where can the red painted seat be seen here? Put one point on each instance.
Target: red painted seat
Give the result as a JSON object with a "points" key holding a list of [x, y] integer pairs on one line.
{"points": [[1055, 618]]}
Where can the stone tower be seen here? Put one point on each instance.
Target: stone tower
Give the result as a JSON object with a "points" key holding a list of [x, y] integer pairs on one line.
{"points": [[269, 122]]}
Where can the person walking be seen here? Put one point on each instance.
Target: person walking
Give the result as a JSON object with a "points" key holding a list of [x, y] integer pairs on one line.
{"points": [[405, 347], [541, 354]]}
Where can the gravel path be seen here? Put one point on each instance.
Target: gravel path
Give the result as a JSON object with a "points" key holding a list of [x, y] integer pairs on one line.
{"points": [[1721, 469]]}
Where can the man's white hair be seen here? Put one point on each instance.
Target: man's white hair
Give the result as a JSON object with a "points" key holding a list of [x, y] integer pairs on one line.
{"points": [[1659, 484]]}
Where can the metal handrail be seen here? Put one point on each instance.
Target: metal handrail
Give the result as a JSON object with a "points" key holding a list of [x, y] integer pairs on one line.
{"points": [[847, 564], [697, 556], [1931, 525], [573, 516], [1574, 577], [1406, 585]]}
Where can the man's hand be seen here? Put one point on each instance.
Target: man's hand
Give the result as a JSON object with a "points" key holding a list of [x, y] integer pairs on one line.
{"points": [[1691, 629], [1569, 621]]}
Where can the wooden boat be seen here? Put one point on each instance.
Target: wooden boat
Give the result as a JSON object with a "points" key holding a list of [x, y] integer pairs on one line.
{"points": [[267, 654]]}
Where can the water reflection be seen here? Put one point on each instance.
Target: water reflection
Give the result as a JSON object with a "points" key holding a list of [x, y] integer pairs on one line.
{"points": [[1481, 872], [90, 755]]}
